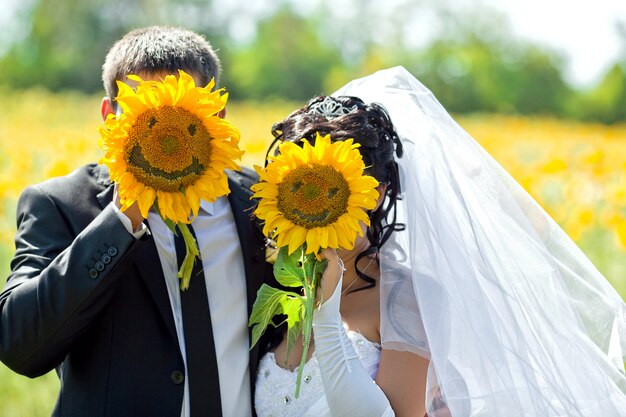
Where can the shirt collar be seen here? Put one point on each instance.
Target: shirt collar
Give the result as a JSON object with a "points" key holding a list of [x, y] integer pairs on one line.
{"points": [[207, 207]]}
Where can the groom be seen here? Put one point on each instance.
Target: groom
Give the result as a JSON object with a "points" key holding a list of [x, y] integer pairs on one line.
{"points": [[93, 291]]}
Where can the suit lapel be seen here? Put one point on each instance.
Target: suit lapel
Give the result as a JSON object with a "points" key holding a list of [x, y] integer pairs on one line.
{"points": [[252, 249], [250, 239], [146, 262], [149, 268]]}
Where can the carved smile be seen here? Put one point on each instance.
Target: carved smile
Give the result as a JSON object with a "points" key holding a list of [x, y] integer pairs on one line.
{"points": [[137, 159], [312, 217]]}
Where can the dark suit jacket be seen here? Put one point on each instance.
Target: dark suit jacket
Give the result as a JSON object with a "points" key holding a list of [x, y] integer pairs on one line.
{"points": [[88, 299]]}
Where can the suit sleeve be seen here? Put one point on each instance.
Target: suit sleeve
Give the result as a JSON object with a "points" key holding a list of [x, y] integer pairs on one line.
{"points": [[59, 282]]}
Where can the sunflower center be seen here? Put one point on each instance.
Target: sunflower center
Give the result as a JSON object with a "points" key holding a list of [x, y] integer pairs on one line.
{"points": [[310, 191], [168, 148], [313, 196], [169, 144]]}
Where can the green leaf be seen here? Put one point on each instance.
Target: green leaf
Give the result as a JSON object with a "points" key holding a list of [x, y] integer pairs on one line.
{"points": [[288, 268], [269, 302], [317, 270], [266, 306], [294, 309], [313, 268]]}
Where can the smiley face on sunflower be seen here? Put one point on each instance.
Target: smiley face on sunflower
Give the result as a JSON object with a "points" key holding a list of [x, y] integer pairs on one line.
{"points": [[315, 194], [170, 145]]}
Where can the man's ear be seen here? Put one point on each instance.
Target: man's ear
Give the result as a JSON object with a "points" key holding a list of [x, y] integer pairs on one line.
{"points": [[222, 113], [106, 108]]}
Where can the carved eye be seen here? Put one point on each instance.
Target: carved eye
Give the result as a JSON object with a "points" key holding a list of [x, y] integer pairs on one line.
{"points": [[296, 186], [191, 129]]}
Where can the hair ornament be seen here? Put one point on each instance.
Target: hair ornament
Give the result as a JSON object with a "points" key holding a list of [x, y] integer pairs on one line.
{"points": [[330, 108]]}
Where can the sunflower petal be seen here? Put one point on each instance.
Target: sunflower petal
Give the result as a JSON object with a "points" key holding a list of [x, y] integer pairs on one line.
{"points": [[193, 199], [145, 201]]}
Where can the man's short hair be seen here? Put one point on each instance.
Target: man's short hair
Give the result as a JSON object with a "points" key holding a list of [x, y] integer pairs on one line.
{"points": [[159, 50]]}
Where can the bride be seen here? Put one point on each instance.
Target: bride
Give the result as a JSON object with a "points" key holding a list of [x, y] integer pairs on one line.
{"points": [[464, 298]]}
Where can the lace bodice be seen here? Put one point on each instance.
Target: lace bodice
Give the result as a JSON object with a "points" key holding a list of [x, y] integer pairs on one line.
{"points": [[275, 386]]}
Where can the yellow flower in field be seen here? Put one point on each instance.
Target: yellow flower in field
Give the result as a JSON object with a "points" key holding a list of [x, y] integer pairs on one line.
{"points": [[581, 220], [315, 194], [593, 157], [169, 145], [620, 230], [554, 166]]}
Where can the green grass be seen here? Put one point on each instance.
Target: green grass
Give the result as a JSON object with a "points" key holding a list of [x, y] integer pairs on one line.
{"points": [[24, 397], [599, 245]]}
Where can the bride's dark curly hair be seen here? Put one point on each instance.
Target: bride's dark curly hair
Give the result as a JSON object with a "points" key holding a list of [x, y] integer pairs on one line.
{"points": [[370, 126]]}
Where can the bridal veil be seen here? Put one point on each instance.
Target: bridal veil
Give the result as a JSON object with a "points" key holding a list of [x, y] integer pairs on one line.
{"points": [[514, 317]]}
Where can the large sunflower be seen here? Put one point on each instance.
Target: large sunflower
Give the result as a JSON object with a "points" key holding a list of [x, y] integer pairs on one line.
{"points": [[315, 195], [169, 145]]}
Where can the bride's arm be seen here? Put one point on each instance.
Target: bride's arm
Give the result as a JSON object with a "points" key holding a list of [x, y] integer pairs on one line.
{"points": [[402, 377], [349, 388]]}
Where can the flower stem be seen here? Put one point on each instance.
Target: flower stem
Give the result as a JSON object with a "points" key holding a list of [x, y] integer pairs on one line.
{"points": [[191, 252], [310, 284], [307, 330]]}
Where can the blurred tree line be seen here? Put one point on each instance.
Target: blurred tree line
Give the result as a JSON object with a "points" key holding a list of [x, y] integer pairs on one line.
{"points": [[292, 50]]}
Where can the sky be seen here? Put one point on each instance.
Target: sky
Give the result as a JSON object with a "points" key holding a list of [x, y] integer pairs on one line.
{"points": [[584, 30]]}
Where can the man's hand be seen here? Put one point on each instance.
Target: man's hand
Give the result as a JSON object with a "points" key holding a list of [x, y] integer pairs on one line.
{"points": [[132, 212]]}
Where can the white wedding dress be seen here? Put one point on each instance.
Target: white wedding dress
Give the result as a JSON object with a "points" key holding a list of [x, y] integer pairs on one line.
{"points": [[275, 386], [514, 318]]}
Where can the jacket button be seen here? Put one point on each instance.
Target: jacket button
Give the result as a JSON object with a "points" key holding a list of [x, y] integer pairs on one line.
{"points": [[106, 258], [99, 266], [112, 251], [177, 377], [93, 273]]}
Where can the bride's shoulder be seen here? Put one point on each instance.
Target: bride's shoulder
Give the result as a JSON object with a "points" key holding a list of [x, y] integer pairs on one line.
{"points": [[360, 311]]}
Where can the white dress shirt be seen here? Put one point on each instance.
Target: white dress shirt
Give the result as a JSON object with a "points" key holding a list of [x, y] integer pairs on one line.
{"points": [[224, 273]]}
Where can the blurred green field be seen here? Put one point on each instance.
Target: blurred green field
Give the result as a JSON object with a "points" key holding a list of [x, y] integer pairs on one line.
{"points": [[23, 397], [576, 171]]}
